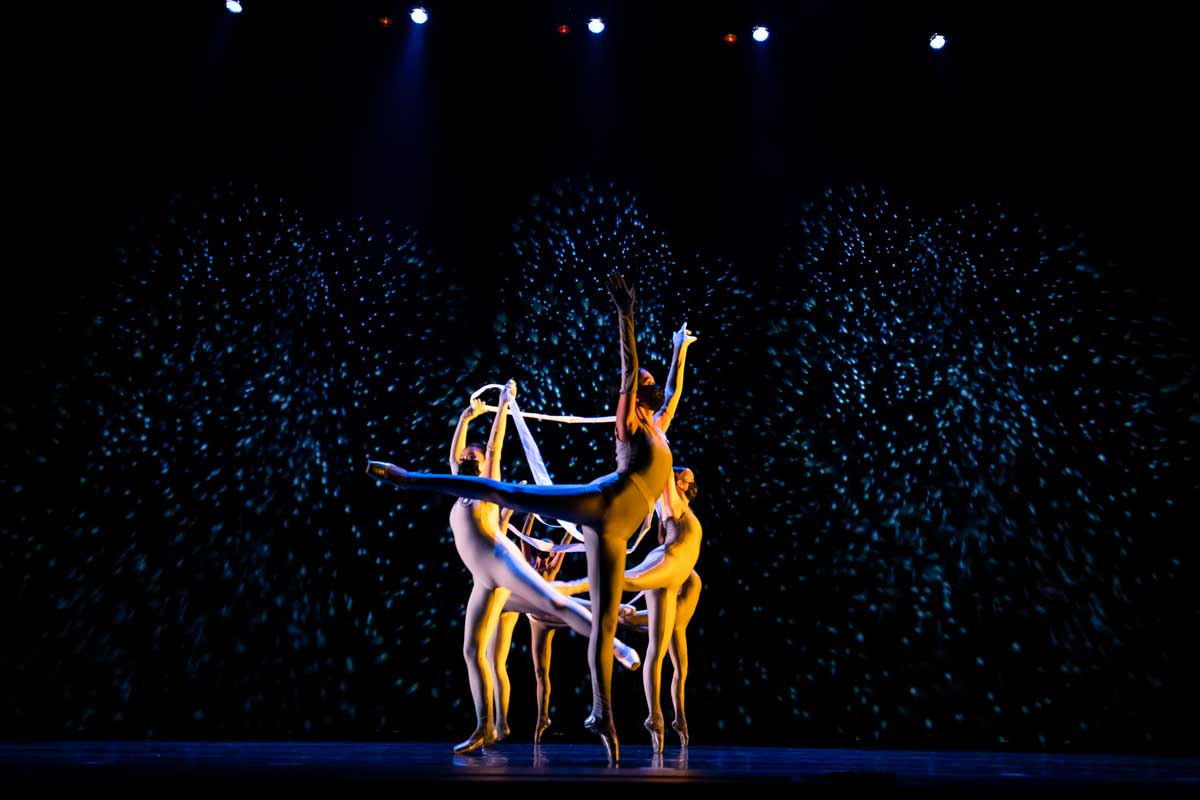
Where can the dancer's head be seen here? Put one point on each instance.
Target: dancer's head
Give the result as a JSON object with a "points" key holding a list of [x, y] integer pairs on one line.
{"points": [[685, 483], [471, 460], [650, 395]]}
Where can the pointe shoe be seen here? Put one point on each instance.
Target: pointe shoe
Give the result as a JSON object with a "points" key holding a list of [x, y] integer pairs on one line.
{"points": [[479, 738], [607, 732], [539, 731], [626, 656], [656, 733], [387, 472], [681, 728]]}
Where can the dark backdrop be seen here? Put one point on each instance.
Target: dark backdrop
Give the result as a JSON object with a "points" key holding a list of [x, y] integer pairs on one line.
{"points": [[1042, 159]]}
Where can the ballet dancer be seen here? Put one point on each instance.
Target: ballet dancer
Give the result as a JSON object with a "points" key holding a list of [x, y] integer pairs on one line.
{"points": [[609, 511], [499, 573], [661, 575]]}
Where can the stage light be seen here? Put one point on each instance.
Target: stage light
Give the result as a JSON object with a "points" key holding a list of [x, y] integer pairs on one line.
{"points": [[418, 15], [596, 25], [760, 33], [937, 41], [234, 6], [729, 38], [385, 22], [564, 30]]}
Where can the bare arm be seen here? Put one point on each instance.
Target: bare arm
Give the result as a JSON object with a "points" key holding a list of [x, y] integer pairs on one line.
{"points": [[682, 339], [526, 528], [496, 440], [623, 297], [674, 504], [555, 562], [459, 442]]}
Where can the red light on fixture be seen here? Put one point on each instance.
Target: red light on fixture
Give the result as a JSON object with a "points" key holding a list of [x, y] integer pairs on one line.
{"points": [[563, 30], [385, 22], [730, 38]]}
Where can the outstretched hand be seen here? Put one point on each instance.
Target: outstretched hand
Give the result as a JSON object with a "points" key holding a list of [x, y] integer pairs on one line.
{"points": [[621, 293], [683, 337], [476, 409]]}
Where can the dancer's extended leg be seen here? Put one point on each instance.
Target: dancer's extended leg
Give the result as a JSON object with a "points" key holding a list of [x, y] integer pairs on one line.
{"points": [[583, 504], [532, 595], [657, 572]]}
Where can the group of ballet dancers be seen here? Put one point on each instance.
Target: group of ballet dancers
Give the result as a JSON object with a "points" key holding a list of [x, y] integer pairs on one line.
{"points": [[509, 580]]}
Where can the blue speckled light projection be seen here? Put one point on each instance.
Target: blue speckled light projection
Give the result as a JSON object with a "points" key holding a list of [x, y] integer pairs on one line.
{"points": [[946, 464]]}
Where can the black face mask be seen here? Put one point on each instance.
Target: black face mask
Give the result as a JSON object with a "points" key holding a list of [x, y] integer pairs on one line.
{"points": [[651, 395], [468, 466]]}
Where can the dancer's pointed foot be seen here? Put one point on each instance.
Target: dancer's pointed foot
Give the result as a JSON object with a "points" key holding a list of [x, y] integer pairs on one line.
{"points": [[626, 656], [657, 732], [607, 732], [680, 726], [543, 724], [502, 732], [387, 472], [483, 736]]}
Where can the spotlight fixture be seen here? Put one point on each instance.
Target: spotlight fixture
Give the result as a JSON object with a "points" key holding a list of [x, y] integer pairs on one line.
{"points": [[385, 22], [760, 33], [937, 41], [596, 25], [729, 38], [419, 15], [564, 30], [234, 6]]}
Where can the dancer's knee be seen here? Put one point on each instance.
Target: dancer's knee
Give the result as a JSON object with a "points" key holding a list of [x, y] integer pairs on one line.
{"points": [[607, 625], [472, 652]]}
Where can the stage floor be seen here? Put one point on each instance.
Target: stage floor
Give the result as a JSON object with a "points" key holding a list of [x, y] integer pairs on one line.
{"points": [[291, 764]]}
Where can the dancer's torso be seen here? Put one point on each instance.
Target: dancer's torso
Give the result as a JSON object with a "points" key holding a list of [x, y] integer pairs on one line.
{"points": [[476, 527], [644, 458], [682, 540]]}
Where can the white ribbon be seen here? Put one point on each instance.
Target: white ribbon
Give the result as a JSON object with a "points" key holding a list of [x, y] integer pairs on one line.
{"points": [[537, 465]]}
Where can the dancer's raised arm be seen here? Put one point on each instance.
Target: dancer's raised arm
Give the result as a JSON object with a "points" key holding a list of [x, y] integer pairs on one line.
{"points": [[459, 443], [527, 530], [681, 340], [496, 440], [623, 298]]}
